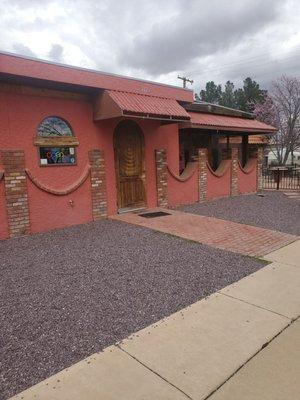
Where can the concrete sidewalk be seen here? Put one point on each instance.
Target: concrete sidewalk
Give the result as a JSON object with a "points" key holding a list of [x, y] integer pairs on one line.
{"points": [[273, 374], [227, 346]]}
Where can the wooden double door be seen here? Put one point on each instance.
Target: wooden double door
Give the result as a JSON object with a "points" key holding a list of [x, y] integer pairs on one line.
{"points": [[130, 165]]}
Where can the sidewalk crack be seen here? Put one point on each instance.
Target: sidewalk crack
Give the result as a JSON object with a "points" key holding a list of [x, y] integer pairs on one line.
{"points": [[281, 262], [255, 305], [246, 362], [154, 372]]}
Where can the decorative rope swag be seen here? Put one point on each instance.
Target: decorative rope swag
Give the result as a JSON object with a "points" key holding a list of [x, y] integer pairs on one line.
{"points": [[221, 170], [187, 173], [249, 167], [56, 192]]}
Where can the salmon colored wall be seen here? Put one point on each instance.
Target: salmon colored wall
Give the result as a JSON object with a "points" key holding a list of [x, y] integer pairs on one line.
{"points": [[218, 186], [247, 181], [156, 136], [20, 116], [180, 193], [24, 114], [159, 137], [48, 211]]}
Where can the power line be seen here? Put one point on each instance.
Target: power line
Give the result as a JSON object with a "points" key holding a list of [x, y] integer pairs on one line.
{"points": [[249, 61]]}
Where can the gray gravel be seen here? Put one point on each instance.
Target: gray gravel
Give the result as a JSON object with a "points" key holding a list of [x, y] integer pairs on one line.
{"points": [[274, 211], [69, 293]]}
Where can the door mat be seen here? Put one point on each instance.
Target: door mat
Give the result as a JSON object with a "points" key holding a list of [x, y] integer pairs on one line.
{"points": [[154, 214]]}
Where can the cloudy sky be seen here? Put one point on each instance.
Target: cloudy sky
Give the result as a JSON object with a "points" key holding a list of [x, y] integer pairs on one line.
{"points": [[159, 39]]}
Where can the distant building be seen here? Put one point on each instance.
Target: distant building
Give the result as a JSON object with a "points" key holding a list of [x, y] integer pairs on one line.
{"points": [[271, 159]]}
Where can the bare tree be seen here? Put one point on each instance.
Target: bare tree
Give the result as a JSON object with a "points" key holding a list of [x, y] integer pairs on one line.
{"points": [[281, 109]]}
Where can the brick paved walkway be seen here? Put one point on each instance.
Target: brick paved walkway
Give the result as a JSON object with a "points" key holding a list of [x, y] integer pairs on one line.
{"points": [[226, 235]]}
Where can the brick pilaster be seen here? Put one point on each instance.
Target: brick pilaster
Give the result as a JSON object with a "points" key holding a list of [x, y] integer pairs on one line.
{"points": [[161, 177], [16, 192], [260, 154], [98, 184], [234, 169], [202, 161]]}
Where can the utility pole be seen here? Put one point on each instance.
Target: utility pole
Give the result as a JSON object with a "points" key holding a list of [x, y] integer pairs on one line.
{"points": [[185, 80]]}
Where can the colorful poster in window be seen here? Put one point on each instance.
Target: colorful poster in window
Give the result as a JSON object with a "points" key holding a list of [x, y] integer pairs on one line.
{"points": [[57, 155]]}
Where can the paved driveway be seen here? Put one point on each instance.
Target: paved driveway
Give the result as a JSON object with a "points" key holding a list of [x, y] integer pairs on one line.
{"points": [[70, 293], [274, 211]]}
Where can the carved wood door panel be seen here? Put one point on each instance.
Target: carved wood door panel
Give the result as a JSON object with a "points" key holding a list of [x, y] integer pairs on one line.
{"points": [[129, 160]]}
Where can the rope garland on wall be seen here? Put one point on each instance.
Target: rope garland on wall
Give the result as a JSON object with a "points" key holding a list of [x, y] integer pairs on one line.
{"points": [[221, 170], [56, 192], [249, 167], [186, 174]]}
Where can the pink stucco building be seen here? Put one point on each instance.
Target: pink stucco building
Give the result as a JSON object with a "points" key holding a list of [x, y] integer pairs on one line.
{"points": [[77, 145]]}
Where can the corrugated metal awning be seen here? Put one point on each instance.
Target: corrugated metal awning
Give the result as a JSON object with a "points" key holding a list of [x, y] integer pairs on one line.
{"points": [[228, 123], [112, 104]]}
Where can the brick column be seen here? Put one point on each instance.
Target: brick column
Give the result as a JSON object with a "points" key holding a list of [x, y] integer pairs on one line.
{"points": [[161, 177], [234, 169], [98, 184], [16, 192], [260, 154], [202, 160]]}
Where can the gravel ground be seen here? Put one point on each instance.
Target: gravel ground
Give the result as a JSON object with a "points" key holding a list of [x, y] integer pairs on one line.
{"points": [[274, 211], [69, 293]]}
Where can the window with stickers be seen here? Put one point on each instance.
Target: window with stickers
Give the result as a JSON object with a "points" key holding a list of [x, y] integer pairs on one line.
{"points": [[56, 142], [57, 155]]}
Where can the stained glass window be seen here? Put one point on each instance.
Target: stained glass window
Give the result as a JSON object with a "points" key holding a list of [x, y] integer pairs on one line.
{"points": [[57, 155], [54, 126]]}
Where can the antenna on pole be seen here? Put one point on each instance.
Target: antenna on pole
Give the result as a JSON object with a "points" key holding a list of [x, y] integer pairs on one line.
{"points": [[185, 80]]}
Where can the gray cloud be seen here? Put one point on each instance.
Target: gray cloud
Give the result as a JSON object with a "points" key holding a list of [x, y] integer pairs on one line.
{"points": [[24, 50], [196, 32], [215, 40], [56, 53]]}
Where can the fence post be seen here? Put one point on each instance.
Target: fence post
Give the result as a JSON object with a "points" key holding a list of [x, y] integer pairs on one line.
{"points": [[277, 179], [259, 178]]}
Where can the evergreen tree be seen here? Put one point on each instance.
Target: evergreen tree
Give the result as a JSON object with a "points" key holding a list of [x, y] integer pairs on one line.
{"points": [[242, 99], [228, 98], [212, 93], [250, 94]]}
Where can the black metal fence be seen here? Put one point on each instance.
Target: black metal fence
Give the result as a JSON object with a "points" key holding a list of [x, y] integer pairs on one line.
{"points": [[287, 178]]}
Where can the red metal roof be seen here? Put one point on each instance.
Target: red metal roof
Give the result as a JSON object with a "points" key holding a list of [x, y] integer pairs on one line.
{"points": [[143, 105], [225, 122]]}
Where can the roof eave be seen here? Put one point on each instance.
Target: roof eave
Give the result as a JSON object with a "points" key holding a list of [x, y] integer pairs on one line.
{"points": [[204, 107], [42, 70], [228, 128]]}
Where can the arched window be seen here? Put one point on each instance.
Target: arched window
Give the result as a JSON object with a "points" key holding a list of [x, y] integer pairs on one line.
{"points": [[54, 126], [56, 142]]}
